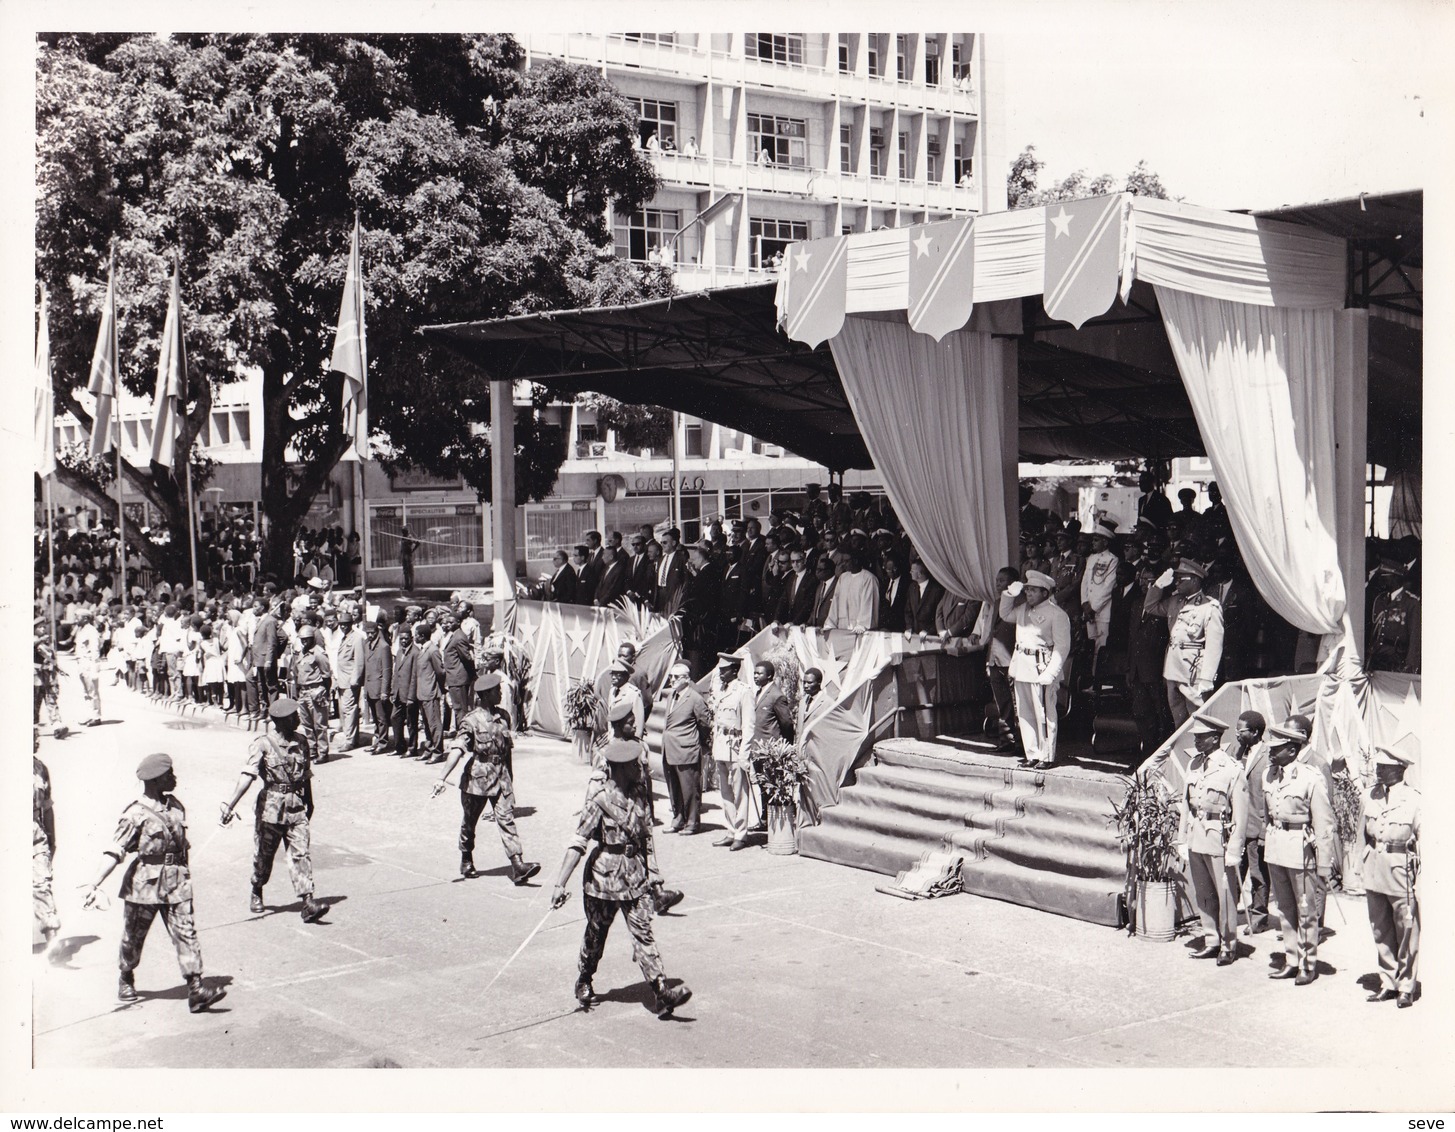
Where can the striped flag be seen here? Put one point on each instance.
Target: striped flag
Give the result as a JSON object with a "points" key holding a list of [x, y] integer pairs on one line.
{"points": [[351, 352], [941, 276], [103, 383], [1083, 257], [818, 274], [45, 412], [171, 391]]}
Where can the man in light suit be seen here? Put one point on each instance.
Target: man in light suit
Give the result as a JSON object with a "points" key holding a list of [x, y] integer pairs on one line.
{"points": [[349, 679], [263, 654], [684, 733]]}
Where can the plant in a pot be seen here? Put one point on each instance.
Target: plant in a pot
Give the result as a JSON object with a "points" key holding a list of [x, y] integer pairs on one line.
{"points": [[782, 772], [1147, 821], [582, 707], [1348, 806]]}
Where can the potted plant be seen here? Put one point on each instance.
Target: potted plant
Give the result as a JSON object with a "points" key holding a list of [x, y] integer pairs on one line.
{"points": [[781, 772], [1348, 806], [1147, 821], [582, 708]]}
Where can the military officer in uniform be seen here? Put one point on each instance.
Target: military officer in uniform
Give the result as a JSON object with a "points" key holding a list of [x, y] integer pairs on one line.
{"points": [[158, 881], [622, 868], [484, 735], [1195, 637], [313, 677], [284, 808], [1214, 817], [1394, 638], [1298, 848], [1042, 646], [1391, 864]]}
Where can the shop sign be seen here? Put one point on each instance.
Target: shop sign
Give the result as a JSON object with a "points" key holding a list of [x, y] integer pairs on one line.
{"points": [[434, 509], [564, 505], [385, 512], [417, 479], [467, 508], [664, 483]]}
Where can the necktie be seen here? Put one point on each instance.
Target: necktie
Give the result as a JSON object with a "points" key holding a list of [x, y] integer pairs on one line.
{"points": [[662, 570]]}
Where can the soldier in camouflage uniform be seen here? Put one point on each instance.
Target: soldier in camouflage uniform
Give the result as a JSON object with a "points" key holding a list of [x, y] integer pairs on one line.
{"points": [[154, 827], [313, 676], [43, 851], [484, 735], [285, 807], [621, 869]]}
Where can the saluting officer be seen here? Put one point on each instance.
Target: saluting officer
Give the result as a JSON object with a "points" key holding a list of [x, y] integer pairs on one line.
{"points": [[1299, 847], [1215, 812], [285, 807], [622, 869], [158, 880], [1391, 864], [484, 735], [1195, 637], [1038, 665]]}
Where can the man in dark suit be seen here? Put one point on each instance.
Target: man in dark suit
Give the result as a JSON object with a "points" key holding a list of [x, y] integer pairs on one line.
{"points": [[698, 614], [378, 682], [406, 699], [457, 657], [775, 579], [772, 719], [893, 595], [795, 606], [685, 732], [561, 585], [922, 599], [734, 599], [823, 595], [755, 558], [671, 573], [1226, 582], [641, 578], [263, 661], [612, 585], [1146, 651], [590, 569]]}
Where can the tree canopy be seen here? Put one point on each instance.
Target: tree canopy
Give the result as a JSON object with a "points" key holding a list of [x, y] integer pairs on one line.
{"points": [[1023, 190], [247, 157]]}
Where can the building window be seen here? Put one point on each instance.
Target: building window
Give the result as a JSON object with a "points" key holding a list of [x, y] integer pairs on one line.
{"points": [[769, 238], [901, 59], [774, 48], [904, 157], [932, 62], [658, 118], [783, 140], [964, 166], [932, 158], [645, 229], [960, 66], [844, 67], [876, 151], [875, 71], [661, 39], [692, 441], [846, 149]]}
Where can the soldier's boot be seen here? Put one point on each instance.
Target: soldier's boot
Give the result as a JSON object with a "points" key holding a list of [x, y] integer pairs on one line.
{"points": [[126, 987], [467, 865], [664, 898], [521, 870], [255, 902], [584, 993], [669, 998], [312, 909], [199, 998]]}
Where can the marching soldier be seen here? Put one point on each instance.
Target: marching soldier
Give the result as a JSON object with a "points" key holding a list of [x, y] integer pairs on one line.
{"points": [[1195, 637], [484, 735], [313, 676], [284, 808], [1298, 849], [158, 881], [1215, 810], [1391, 865], [622, 869]]}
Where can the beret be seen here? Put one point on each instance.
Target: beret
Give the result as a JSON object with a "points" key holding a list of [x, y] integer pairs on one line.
{"points": [[153, 766]]}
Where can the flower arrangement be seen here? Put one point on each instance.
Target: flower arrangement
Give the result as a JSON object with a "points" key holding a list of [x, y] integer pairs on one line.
{"points": [[1147, 821], [582, 706], [1348, 806], [779, 769], [786, 670]]}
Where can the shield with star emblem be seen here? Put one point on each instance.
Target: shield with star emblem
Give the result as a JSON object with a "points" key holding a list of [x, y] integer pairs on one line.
{"points": [[1083, 257], [941, 276], [818, 273]]}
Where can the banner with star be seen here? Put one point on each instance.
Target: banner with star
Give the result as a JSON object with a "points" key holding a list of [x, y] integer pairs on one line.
{"points": [[818, 275], [941, 277], [1083, 257]]}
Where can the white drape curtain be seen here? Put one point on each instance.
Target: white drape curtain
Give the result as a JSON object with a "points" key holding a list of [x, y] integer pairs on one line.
{"points": [[931, 416], [1259, 381]]}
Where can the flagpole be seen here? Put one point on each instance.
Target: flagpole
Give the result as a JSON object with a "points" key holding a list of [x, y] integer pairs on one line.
{"points": [[50, 541], [116, 413], [187, 456]]}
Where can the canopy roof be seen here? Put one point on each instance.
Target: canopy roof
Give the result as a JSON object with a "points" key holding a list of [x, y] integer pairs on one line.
{"points": [[1109, 390]]}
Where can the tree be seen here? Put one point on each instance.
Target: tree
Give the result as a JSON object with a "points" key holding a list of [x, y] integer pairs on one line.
{"points": [[1023, 191], [249, 156]]}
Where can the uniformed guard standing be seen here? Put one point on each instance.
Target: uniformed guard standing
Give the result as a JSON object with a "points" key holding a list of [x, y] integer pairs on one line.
{"points": [[158, 880], [1391, 865], [1299, 848], [1394, 634], [313, 676], [1038, 665], [484, 735], [285, 807], [1195, 637], [1214, 817], [622, 868]]}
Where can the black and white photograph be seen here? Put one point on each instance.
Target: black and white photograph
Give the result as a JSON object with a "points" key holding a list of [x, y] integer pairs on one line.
{"points": [[800, 552]]}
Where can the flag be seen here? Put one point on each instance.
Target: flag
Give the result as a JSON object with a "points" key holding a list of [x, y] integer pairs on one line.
{"points": [[818, 274], [103, 369], [171, 391], [351, 352], [45, 412], [941, 276], [1083, 257]]}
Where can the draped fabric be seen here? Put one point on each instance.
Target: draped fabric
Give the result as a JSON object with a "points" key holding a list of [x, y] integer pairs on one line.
{"points": [[1258, 379], [931, 416]]}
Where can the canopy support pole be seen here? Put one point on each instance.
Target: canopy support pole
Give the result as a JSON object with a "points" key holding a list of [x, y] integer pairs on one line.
{"points": [[502, 497], [1351, 448]]}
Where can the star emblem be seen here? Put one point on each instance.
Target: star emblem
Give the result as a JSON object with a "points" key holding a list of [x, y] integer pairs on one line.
{"points": [[800, 260], [1062, 223], [1400, 717], [922, 245], [577, 637]]}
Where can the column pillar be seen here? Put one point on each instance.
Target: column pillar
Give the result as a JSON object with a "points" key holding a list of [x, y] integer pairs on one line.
{"points": [[1010, 448], [502, 496]]}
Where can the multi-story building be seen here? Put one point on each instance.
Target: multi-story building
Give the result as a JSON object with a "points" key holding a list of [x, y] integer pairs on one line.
{"points": [[796, 136]]}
